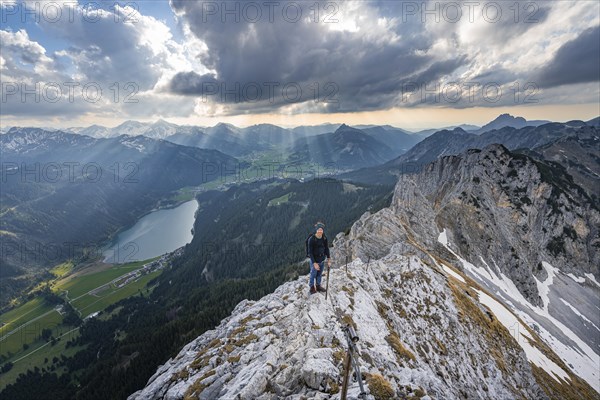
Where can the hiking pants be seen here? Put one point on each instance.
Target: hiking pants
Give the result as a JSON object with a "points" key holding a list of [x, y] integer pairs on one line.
{"points": [[316, 274]]}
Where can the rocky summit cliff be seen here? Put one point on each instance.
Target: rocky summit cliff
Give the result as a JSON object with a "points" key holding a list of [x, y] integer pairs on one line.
{"points": [[471, 285], [508, 209]]}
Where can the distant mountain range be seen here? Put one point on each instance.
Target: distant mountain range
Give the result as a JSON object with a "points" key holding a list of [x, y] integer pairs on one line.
{"points": [[223, 137], [507, 120], [466, 127], [323, 144], [350, 148], [162, 129], [580, 156], [456, 141], [341, 147], [326, 142]]}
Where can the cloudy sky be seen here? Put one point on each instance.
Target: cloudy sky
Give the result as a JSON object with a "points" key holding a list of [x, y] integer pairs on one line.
{"points": [[409, 64]]}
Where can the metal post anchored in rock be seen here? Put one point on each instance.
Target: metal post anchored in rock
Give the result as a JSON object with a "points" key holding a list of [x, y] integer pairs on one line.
{"points": [[327, 284], [351, 361]]}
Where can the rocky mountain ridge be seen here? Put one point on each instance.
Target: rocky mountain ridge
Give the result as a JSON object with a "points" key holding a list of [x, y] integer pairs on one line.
{"points": [[578, 142]]}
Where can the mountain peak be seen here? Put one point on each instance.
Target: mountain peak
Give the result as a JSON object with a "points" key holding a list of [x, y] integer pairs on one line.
{"points": [[162, 122], [507, 120], [224, 124], [347, 129], [348, 133], [508, 117], [460, 130], [130, 122]]}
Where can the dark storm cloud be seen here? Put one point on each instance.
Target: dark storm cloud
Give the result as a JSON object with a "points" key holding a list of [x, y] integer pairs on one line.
{"points": [[191, 83], [439, 69], [366, 70], [577, 61], [369, 68]]}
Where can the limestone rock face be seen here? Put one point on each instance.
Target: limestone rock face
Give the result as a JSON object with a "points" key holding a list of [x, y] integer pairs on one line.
{"points": [[411, 332], [506, 208]]}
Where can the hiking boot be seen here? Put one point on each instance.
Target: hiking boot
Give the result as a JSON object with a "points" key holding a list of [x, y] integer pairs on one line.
{"points": [[320, 288], [313, 290]]}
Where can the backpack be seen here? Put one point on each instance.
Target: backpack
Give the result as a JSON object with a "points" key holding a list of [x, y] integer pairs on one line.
{"points": [[308, 238]]}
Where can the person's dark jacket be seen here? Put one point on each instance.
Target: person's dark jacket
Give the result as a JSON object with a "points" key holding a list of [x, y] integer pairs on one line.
{"points": [[318, 248]]}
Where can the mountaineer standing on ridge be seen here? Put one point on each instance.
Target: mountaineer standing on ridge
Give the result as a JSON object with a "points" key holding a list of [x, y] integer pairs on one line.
{"points": [[317, 248]]}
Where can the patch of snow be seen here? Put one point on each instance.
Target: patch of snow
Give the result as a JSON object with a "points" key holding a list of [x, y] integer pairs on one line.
{"points": [[449, 271], [489, 270], [576, 278], [509, 290], [442, 238], [512, 323], [136, 146], [584, 363], [591, 278], [576, 312], [582, 359], [544, 287]]}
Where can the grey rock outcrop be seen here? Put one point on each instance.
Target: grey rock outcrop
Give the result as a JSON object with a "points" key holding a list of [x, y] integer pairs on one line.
{"points": [[495, 205], [290, 345]]}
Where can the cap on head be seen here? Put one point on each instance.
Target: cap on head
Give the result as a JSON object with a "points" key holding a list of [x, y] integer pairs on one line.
{"points": [[319, 225]]}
